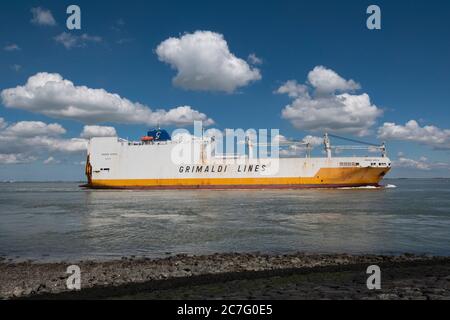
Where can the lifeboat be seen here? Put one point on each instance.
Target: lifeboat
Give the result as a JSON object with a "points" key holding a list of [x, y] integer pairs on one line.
{"points": [[147, 139]]}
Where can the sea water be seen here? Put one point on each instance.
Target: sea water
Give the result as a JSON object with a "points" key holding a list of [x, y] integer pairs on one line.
{"points": [[61, 221]]}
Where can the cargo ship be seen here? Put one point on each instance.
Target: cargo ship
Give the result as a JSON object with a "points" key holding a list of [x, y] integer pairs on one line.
{"points": [[113, 162]]}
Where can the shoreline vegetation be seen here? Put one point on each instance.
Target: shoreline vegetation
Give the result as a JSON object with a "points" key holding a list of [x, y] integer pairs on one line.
{"points": [[232, 276]]}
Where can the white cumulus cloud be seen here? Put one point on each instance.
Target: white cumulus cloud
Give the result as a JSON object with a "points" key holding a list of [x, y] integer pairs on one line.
{"points": [[204, 62], [26, 141], [98, 131], [327, 80], [11, 47], [292, 89], [15, 158], [326, 103], [51, 160], [428, 135], [52, 95], [420, 164], [3, 123], [69, 40], [34, 128], [313, 140], [253, 59], [42, 17]]}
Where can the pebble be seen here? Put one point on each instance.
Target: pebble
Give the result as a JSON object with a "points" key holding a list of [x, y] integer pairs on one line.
{"points": [[17, 292], [42, 277]]}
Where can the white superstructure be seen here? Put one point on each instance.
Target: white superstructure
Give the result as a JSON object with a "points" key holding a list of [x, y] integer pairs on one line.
{"points": [[117, 163]]}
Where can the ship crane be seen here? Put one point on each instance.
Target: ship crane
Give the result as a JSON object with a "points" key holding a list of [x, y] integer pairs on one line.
{"points": [[365, 146], [307, 145]]}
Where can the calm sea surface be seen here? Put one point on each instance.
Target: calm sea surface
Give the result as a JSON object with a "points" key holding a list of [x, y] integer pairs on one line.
{"points": [[60, 221]]}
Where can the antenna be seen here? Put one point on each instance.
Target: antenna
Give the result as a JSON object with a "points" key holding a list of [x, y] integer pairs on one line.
{"points": [[203, 130], [327, 144]]}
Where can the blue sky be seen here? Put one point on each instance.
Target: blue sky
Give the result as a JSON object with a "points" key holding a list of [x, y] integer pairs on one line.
{"points": [[403, 69]]}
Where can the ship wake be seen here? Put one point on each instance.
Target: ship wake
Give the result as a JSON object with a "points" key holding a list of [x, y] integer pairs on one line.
{"points": [[388, 186]]}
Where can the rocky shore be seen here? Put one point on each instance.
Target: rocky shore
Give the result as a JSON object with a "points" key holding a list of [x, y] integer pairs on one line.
{"points": [[232, 276]]}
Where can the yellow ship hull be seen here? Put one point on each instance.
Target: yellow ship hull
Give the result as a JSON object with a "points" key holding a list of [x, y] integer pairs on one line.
{"points": [[325, 178]]}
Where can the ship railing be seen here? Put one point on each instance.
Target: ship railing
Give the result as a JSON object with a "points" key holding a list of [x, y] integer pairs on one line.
{"points": [[139, 143]]}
